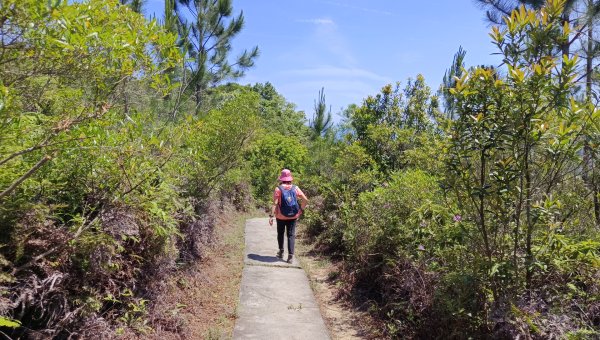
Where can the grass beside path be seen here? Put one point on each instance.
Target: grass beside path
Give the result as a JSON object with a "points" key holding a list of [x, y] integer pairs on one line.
{"points": [[343, 319], [200, 301]]}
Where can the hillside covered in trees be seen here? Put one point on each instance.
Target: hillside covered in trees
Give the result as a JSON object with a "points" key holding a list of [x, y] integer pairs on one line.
{"points": [[472, 211]]}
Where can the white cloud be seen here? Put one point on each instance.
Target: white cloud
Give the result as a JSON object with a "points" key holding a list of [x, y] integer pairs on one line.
{"points": [[330, 39], [318, 21], [361, 9], [338, 72], [326, 44], [342, 85]]}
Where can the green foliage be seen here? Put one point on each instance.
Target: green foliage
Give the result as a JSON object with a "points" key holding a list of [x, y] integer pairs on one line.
{"points": [[321, 122], [280, 143], [405, 247], [478, 225], [581, 334], [514, 145], [104, 186], [512, 140], [278, 115], [383, 222], [449, 81], [208, 43], [270, 153], [355, 169], [5, 322], [338, 173], [389, 124], [214, 145], [57, 77]]}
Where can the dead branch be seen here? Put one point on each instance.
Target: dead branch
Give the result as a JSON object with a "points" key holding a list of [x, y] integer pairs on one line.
{"points": [[28, 174]]}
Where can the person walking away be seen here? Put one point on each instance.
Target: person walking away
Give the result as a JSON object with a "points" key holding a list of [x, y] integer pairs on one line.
{"points": [[286, 209]]}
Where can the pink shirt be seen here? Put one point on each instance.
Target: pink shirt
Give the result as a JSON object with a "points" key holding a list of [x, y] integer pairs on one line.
{"points": [[277, 197]]}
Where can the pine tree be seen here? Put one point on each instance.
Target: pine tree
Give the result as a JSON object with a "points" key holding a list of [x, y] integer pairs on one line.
{"points": [[456, 70], [208, 40], [321, 121]]}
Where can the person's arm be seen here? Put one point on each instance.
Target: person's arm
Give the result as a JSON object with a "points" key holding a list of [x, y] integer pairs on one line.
{"points": [[274, 206], [303, 199]]}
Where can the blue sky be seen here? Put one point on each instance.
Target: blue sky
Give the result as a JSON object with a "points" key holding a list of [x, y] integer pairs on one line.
{"points": [[352, 48]]}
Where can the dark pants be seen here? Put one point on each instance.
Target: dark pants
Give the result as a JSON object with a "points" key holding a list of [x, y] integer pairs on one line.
{"points": [[290, 226]]}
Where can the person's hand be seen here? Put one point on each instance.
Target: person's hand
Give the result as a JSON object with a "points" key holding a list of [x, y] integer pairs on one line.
{"points": [[271, 220]]}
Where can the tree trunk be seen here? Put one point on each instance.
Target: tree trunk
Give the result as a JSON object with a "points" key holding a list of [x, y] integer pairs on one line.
{"points": [[528, 219], [198, 94], [588, 157]]}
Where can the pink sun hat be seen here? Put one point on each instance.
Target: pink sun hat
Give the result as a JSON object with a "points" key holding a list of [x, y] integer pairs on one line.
{"points": [[286, 176]]}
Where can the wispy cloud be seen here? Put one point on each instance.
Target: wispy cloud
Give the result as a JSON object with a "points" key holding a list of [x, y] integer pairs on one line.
{"points": [[318, 21], [327, 42], [343, 85], [339, 92], [331, 40], [335, 72], [361, 9]]}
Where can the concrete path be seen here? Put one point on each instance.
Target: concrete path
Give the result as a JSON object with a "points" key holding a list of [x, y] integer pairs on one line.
{"points": [[276, 301]]}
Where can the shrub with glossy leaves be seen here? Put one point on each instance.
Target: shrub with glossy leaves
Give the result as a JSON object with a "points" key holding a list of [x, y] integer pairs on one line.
{"points": [[271, 153]]}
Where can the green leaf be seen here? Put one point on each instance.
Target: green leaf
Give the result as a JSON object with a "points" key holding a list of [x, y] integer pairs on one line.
{"points": [[495, 269], [10, 323]]}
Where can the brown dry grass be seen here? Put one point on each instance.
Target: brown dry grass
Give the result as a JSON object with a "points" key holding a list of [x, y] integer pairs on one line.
{"points": [[343, 319], [200, 301]]}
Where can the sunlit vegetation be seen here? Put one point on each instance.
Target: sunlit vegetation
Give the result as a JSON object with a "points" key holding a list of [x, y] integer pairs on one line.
{"points": [[478, 221], [468, 212]]}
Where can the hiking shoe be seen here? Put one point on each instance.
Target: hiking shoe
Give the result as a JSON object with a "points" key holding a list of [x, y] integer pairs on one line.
{"points": [[280, 253], [290, 258]]}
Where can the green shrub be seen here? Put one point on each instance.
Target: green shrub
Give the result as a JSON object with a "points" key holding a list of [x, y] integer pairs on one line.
{"points": [[383, 225], [270, 154], [214, 145]]}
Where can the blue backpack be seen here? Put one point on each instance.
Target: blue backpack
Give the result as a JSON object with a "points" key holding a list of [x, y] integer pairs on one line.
{"points": [[289, 202]]}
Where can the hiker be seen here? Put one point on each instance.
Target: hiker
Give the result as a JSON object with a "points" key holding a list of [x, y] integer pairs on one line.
{"points": [[286, 211]]}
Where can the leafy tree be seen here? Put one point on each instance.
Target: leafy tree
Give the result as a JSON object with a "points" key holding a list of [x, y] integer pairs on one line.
{"points": [[585, 14], [74, 161], [321, 122], [68, 78], [496, 10], [210, 33], [388, 124], [271, 153], [498, 239], [512, 141], [214, 146], [173, 23], [279, 115]]}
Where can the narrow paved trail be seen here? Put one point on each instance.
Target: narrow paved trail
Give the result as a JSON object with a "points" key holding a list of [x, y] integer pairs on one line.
{"points": [[276, 301]]}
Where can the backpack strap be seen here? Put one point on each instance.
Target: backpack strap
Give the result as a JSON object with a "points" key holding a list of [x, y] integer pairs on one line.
{"points": [[296, 194], [293, 188], [280, 187]]}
